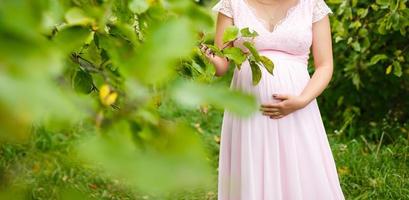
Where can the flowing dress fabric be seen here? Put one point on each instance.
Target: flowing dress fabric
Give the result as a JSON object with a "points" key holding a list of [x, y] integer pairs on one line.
{"points": [[276, 159]]}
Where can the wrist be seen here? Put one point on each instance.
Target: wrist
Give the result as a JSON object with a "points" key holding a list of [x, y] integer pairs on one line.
{"points": [[305, 100]]}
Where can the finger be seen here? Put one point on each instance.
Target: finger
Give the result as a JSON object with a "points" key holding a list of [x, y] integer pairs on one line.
{"points": [[268, 109], [281, 96], [276, 117], [204, 51], [272, 113], [271, 105], [204, 47], [208, 51]]}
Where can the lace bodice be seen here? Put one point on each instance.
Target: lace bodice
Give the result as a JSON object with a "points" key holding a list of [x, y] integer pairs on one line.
{"points": [[292, 35]]}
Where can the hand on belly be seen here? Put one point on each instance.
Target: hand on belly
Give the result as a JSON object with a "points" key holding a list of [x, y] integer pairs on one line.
{"points": [[288, 104]]}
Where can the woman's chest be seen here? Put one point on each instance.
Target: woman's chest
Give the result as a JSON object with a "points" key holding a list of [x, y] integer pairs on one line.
{"points": [[292, 34]]}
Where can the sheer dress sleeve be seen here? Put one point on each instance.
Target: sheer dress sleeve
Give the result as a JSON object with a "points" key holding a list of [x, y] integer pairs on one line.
{"points": [[320, 10], [224, 7]]}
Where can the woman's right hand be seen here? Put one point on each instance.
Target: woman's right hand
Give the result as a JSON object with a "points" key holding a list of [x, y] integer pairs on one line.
{"points": [[207, 51], [221, 63]]}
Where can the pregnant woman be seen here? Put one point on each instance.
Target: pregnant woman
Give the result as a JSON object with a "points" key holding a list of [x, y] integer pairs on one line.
{"points": [[280, 152]]}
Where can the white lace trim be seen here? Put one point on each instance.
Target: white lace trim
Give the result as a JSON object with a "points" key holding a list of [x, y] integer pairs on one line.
{"points": [[265, 23], [320, 10], [224, 6]]}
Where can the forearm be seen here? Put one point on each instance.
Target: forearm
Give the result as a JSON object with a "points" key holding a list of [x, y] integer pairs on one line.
{"points": [[221, 65], [317, 84]]}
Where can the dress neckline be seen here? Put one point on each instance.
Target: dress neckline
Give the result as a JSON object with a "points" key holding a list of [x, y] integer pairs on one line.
{"points": [[261, 21]]}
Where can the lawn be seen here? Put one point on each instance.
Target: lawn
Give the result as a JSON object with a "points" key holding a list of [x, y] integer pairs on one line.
{"points": [[48, 168]]}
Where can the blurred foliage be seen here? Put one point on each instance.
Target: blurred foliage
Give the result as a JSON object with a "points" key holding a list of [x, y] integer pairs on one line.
{"points": [[106, 65], [371, 78]]}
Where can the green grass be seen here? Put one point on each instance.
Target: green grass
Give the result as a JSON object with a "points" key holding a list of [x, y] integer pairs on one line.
{"points": [[370, 174], [46, 167]]}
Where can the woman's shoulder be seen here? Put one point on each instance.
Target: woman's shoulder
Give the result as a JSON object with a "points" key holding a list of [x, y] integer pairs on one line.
{"points": [[316, 9], [319, 10], [226, 7]]}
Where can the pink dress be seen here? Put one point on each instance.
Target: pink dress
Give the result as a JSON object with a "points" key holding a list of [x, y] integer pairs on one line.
{"points": [[277, 159]]}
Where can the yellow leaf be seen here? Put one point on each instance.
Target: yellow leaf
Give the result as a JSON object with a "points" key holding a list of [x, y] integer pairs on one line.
{"points": [[110, 99], [344, 170], [217, 139], [104, 91], [389, 69], [107, 96]]}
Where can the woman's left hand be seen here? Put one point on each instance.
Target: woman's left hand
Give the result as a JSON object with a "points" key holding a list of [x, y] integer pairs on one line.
{"points": [[288, 104]]}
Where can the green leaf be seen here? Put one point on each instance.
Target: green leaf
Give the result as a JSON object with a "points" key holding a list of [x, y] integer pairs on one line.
{"points": [[250, 46], [43, 98], [215, 50], [268, 64], [83, 82], [388, 69], [192, 94], [356, 80], [235, 54], [383, 3], [357, 46], [197, 67], [355, 25], [382, 27], [138, 6], [395, 18], [245, 32], [76, 16], [200, 17], [230, 34], [124, 31], [363, 32], [166, 43], [169, 152], [376, 58], [362, 12], [397, 69], [70, 38], [255, 72]]}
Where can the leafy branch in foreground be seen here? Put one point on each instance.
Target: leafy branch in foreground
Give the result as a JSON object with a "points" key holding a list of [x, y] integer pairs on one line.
{"points": [[238, 56]]}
